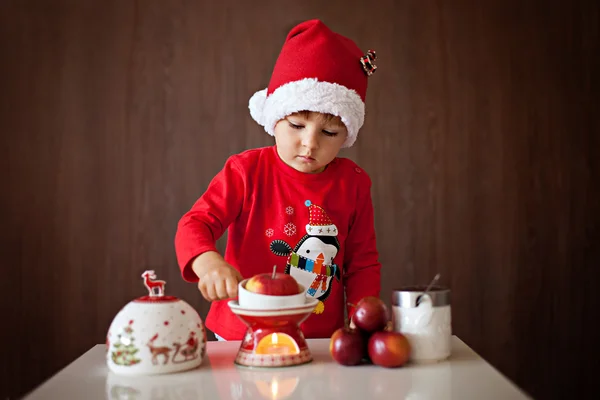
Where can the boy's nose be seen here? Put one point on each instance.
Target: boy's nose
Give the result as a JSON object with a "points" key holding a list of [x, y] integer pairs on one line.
{"points": [[310, 139]]}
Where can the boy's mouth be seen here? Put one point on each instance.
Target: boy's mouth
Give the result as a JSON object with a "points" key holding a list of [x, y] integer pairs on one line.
{"points": [[306, 158]]}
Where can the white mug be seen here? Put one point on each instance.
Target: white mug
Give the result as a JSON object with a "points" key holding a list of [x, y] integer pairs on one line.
{"points": [[426, 321]]}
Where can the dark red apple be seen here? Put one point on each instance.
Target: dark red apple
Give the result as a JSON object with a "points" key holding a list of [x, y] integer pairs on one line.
{"points": [[347, 346], [371, 314], [274, 284], [388, 349]]}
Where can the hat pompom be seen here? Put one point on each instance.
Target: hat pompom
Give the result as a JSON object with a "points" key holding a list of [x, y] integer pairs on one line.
{"points": [[257, 105]]}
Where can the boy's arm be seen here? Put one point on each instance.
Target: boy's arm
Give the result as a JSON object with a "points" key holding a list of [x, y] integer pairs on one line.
{"points": [[207, 220], [361, 262]]}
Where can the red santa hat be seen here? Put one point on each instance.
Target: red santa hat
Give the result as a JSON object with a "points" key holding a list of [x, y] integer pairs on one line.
{"points": [[317, 70], [319, 223]]}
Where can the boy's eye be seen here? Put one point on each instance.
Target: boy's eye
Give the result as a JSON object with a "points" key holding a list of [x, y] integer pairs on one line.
{"points": [[328, 133], [294, 126]]}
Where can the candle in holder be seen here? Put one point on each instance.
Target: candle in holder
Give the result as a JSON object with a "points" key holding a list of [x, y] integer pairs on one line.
{"points": [[277, 343]]}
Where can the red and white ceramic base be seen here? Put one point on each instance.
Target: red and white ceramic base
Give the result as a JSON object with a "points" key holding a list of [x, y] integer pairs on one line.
{"points": [[250, 359], [262, 324]]}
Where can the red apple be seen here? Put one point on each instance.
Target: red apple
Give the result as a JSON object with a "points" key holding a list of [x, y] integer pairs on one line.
{"points": [[371, 314], [275, 284], [347, 346], [388, 349]]}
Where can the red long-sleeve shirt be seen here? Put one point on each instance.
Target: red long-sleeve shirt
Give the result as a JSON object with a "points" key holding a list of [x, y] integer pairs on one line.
{"points": [[319, 226]]}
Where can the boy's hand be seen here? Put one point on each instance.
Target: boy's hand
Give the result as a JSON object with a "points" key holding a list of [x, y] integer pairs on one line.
{"points": [[218, 279]]}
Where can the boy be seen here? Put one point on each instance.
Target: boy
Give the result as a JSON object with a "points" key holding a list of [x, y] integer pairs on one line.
{"points": [[295, 205]]}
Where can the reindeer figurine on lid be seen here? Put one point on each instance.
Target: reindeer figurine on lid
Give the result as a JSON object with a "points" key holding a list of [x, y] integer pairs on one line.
{"points": [[151, 283]]}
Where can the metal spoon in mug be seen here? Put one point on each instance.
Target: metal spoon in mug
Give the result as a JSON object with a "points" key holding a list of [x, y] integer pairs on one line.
{"points": [[435, 279]]}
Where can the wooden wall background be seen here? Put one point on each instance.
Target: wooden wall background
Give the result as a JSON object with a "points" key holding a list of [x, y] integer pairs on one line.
{"points": [[482, 139]]}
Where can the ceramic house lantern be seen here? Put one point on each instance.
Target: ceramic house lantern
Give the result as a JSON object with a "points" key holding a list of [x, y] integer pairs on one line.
{"points": [[155, 334]]}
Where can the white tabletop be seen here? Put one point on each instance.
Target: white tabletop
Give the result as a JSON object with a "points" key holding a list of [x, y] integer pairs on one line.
{"points": [[464, 376]]}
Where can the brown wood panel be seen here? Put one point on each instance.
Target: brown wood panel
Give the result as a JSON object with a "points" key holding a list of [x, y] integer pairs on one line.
{"points": [[482, 140]]}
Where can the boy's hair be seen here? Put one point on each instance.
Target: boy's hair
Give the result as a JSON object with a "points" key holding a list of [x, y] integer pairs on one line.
{"points": [[325, 117], [317, 70]]}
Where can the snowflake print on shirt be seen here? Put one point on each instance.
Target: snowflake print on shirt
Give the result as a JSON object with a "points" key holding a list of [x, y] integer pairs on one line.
{"points": [[289, 229], [269, 232], [289, 210]]}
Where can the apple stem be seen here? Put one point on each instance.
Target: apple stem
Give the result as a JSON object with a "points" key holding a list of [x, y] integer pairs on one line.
{"points": [[389, 327], [274, 270]]}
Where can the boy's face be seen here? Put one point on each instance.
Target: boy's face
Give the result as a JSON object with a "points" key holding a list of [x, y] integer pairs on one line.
{"points": [[308, 141]]}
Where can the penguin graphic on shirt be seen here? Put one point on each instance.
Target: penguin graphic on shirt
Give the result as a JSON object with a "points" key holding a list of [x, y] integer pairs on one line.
{"points": [[310, 262]]}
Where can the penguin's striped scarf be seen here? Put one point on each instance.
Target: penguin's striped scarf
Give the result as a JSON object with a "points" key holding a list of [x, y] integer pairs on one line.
{"points": [[298, 261]]}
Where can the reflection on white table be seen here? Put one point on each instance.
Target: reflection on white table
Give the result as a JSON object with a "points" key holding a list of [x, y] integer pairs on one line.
{"points": [[464, 375]]}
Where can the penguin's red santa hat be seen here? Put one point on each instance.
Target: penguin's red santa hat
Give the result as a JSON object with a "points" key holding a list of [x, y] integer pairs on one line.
{"points": [[319, 223], [317, 70]]}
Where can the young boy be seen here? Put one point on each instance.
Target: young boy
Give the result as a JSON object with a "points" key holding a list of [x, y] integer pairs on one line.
{"points": [[295, 205]]}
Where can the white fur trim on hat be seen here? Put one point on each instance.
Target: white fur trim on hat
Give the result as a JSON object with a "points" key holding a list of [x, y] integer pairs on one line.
{"points": [[321, 230], [309, 94]]}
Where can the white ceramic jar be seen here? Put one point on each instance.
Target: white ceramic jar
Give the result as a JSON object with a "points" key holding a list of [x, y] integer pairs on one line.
{"points": [[155, 334], [426, 321]]}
